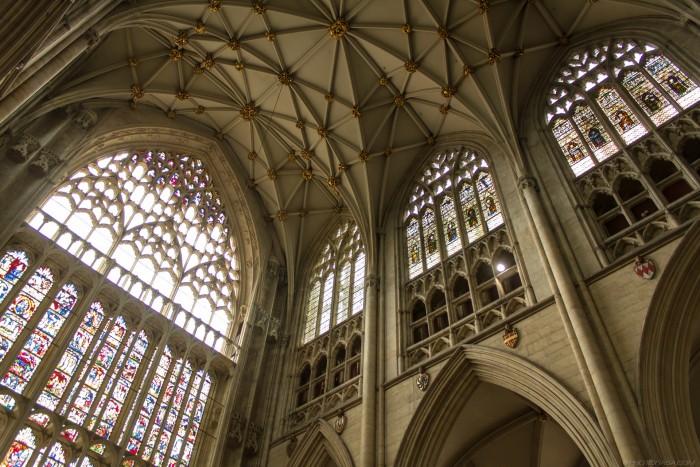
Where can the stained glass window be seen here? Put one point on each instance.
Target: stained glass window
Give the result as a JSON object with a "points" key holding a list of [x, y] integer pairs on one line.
{"points": [[673, 80], [450, 226], [648, 97], [12, 266], [23, 307], [159, 217], [623, 119], [336, 283], [595, 133], [29, 358], [415, 262], [571, 146], [21, 450], [58, 382], [627, 81], [432, 250], [462, 183]]}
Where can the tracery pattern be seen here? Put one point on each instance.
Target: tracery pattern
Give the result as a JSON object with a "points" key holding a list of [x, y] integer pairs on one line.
{"points": [[336, 283], [158, 216], [454, 174], [610, 95]]}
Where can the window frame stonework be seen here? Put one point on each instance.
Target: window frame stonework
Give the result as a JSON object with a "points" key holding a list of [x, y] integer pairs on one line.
{"points": [[434, 317], [318, 390], [624, 200], [139, 318]]}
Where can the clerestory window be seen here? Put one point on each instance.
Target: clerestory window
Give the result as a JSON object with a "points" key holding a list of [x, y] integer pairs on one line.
{"points": [[612, 109], [95, 371], [329, 362], [462, 270]]}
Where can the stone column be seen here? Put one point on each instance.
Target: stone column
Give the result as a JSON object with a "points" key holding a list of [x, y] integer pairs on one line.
{"points": [[368, 441], [607, 401], [41, 78], [25, 26]]}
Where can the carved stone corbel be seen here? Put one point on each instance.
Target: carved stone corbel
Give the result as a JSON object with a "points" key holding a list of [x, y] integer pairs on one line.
{"points": [[44, 162], [23, 148]]}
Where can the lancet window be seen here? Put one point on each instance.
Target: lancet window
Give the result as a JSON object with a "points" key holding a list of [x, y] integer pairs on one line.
{"points": [[454, 224]]}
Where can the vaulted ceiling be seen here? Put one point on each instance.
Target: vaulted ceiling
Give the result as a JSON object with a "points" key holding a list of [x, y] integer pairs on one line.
{"points": [[329, 103]]}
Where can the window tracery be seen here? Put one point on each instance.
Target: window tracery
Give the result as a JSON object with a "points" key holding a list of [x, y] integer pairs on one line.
{"points": [[624, 99], [328, 363], [158, 218], [626, 86], [463, 242], [75, 346]]}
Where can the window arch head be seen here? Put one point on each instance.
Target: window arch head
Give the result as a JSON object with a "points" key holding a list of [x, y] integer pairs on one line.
{"points": [[610, 95], [453, 203], [336, 283], [154, 223]]}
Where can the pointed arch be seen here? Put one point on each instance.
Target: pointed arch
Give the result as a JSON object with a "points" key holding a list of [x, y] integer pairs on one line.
{"points": [[664, 354], [320, 444], [453, 386]]}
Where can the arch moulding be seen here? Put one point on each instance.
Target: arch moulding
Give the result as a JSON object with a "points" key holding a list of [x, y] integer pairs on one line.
{"points": [[320, 444], [664, 354], [452, 387]]}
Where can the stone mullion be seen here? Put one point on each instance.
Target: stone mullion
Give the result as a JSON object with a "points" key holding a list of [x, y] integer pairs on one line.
{"points": [[114, 368], [182, 410], [189, 425], [137, 396], [159, 400], [176, 385], [465, 249]]}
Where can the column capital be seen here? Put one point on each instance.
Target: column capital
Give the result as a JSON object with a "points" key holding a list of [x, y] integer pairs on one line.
{"points": [[528, 182], [91, 37]]}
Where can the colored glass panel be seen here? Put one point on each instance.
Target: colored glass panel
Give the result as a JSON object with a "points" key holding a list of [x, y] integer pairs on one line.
{"points": [[12, 266], [23, 307], [572, 147], [29, 358], [449, 225], [415, 264], [621, 116], [470, 210], [432, 248], [21, 449], [40, 419], [110, 405], [596, 136], [55, 457], [674, 81], [490, 205], [654, 104]]}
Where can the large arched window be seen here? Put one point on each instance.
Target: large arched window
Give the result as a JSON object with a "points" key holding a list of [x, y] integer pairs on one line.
{"points": [[328, 367], [613, 109], [610, 95], [462, 268], [115, 299]]}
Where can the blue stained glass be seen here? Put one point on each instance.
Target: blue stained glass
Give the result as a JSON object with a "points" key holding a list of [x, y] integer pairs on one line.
{"points": [[51, 323], [38, 343], [5, 288], [21, 449], [23, 307], [13, 265], [10, 328]]}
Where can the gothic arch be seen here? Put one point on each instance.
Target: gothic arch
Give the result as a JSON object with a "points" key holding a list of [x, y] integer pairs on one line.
{"points": [[321, 444], [460, 376], [664, 395]]}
